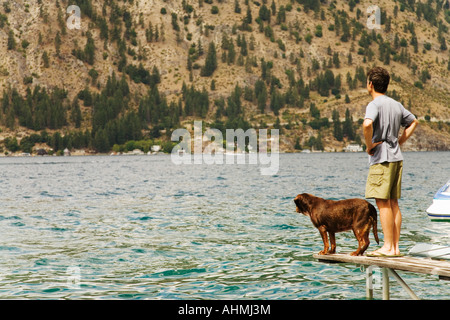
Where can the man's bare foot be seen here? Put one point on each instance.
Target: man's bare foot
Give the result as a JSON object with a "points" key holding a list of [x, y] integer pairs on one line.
{"points": [[382, 253]]}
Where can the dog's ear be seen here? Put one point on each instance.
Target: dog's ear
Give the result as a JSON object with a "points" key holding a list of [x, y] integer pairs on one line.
{"points": [[308, 201], [297, 200], [300, 204]]}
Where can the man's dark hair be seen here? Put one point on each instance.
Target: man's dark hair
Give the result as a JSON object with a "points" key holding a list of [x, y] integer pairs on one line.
{"points": [[379, 78]]}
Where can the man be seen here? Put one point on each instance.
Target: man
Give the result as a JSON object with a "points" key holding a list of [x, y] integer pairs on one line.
{"points": [[381, 126]]}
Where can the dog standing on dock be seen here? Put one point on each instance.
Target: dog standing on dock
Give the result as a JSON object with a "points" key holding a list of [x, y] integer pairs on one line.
{"points": [[330, 216]]}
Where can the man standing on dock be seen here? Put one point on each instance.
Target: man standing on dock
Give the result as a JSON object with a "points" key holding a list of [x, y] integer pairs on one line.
{"points": [[383, 119]]}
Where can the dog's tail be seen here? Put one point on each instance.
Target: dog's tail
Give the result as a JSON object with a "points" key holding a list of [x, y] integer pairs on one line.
{"points": [[373, 216]]}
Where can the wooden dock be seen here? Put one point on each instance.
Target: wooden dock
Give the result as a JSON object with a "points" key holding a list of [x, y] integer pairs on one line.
{"points": [[388, 267]]}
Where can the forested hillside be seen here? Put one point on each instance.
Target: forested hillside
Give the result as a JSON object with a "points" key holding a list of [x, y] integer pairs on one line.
{"points": [[135, 70]]}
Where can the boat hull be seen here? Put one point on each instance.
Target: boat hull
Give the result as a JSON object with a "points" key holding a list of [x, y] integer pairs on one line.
{"points": [[439, 210]]}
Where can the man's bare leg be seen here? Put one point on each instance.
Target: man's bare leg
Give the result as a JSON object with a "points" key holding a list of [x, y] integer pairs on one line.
{"points": [[397, 224], [391, 220]]}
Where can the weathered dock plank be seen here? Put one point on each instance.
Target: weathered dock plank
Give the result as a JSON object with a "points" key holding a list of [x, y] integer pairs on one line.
{"points": [[405, 263]]}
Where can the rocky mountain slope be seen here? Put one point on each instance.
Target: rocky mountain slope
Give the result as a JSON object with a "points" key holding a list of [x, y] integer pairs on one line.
{"points": [[138, 69]]}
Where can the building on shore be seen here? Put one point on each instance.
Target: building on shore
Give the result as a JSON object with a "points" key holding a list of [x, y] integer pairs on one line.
{"points": [[353, 148]]}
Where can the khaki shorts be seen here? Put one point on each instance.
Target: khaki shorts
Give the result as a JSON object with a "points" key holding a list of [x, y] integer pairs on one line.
{"points": [[384, 180]]}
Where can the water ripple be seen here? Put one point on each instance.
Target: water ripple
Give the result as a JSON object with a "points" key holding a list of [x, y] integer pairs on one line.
{"points": [[143, 228]]}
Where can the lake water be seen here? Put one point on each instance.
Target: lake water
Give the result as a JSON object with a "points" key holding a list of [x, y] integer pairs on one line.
{"points": [[141, 227]]}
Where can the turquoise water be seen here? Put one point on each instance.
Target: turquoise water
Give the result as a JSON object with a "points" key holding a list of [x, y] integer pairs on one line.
{"points": [[140, 227]]}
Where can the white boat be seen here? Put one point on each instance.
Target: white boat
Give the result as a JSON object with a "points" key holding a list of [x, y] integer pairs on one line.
{"points": [[429, 250], [440, 208]]}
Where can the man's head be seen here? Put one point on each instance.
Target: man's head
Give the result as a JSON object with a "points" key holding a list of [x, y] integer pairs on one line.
{"points": [[377, 80]]}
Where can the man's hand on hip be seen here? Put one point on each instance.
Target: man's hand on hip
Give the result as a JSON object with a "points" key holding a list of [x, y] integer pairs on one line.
{"points": [[371, 149]]}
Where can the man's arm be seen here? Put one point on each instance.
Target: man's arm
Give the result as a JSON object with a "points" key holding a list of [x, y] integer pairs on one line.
{"points": [[368, 133], [408, 131]]}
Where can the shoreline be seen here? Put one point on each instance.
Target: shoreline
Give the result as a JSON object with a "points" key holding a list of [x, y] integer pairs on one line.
{"points": [[81, 153]]}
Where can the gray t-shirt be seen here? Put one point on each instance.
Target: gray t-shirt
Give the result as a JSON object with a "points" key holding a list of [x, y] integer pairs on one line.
{"points": [[387, 115]]}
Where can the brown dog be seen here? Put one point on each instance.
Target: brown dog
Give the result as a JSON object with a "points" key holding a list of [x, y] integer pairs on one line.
{"points": [[336, 216]]}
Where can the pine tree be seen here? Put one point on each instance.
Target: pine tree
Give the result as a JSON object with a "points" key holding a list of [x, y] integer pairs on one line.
{"points": [[210, 62], [347, 129], [89, 49], [264, 13], [101, 143], [248, 18], [10, 119], [231, 57], [443, 44], [336, 61], [76, 113], [237, 7], [199, 48], [337, 127], [297, 145], [103, 28], [318, 145], [244, 50], [57, 43], [149, 32], [11, 40], [276, 101], [56, 141], [45, 59], [175, 25], [314, 111], [234, 108], [11, 144], [345, 31], [155, 77]]}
